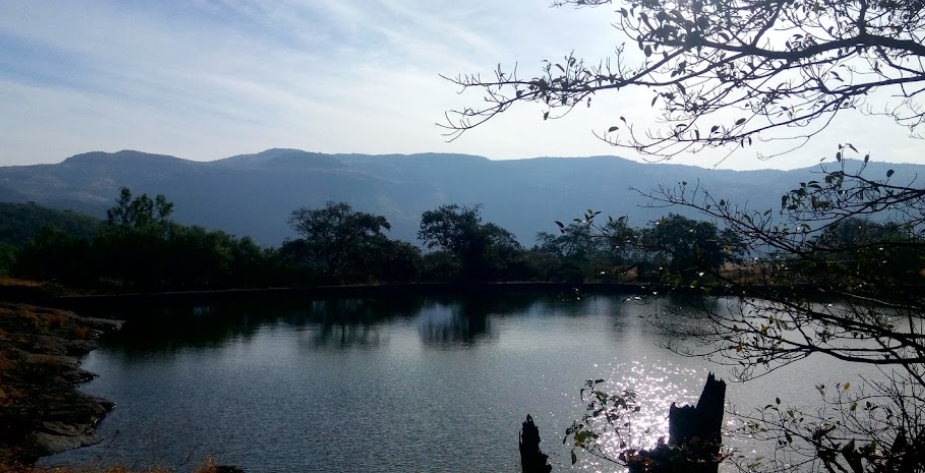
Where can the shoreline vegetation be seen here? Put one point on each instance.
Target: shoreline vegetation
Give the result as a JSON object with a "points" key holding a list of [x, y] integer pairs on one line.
{"points": [[41, 295], [140, 255]]}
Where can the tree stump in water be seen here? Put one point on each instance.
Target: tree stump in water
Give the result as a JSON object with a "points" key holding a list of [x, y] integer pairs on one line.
{"points": [[532, 459], [704, 422], [694, 439], [694, 436]]}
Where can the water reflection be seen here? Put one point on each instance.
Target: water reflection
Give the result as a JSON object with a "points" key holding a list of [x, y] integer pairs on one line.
{"points": [[344, 336], [400, 384], [339, 323], [454, 325], [166, 331], [469, 321], [348, 323]]}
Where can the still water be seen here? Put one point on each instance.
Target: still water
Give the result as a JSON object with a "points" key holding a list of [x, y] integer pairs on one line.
{"points": [[402, 384]]}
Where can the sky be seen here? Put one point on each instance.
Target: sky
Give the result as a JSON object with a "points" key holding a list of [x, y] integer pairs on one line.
{"points": [[207, 79]]}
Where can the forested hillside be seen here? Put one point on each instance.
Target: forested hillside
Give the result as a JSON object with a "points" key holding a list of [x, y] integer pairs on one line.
{"points": [[253, 195], [21, 222]]}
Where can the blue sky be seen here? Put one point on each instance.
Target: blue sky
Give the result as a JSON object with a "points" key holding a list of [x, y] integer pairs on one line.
{"points": [[206, 79]]}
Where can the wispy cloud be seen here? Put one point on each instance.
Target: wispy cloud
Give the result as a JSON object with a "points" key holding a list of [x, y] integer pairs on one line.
{"points": [[204, 79]]}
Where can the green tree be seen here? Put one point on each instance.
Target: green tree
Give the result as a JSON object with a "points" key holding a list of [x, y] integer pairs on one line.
{"points": [[392, 261], [686, 247], [440, 266], [132, 250], [139, 212], [580, 253], [621, 242], [54, 255], [200, 259], [575, 241], [7, 258], [20, 222], [335, 237], [484, 250], [878, 249]]}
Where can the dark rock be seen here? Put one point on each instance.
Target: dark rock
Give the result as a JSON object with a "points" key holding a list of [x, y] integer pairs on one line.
{"points": [[43, 412], [228, 469]]}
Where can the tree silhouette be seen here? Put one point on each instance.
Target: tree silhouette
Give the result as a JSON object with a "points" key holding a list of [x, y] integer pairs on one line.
{"points": [[335, 234], [730, 73], [483, 250]]}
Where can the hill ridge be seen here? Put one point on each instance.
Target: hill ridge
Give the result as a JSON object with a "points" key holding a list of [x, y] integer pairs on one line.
{"points": [[253, 194]]}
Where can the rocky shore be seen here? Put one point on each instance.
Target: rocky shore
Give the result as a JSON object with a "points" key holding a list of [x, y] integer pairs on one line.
{"points": [[41, 410]]}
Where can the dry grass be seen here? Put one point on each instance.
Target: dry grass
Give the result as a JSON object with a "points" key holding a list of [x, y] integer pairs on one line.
{"points": [[748, 274], [8, 281], [33, 319], [7, 392], [81, 332], [29, 316]]}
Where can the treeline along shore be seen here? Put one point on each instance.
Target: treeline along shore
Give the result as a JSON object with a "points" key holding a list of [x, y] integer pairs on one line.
{"points": [[94, 302], [139, 249]]}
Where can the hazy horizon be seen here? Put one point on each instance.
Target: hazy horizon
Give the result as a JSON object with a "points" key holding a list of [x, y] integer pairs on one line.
{"points": [[213, 78], [796, 165]]}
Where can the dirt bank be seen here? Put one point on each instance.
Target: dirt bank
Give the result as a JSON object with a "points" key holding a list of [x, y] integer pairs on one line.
{"points": [[41, 410]]}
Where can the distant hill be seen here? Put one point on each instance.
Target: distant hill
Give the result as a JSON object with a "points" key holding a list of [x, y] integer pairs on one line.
{"points": [[21, 222], [253, 194]]}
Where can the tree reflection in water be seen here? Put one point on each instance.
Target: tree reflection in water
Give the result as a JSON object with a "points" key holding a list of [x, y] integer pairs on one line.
{"points": [[332, 323], [468, 321], [340, 322]]}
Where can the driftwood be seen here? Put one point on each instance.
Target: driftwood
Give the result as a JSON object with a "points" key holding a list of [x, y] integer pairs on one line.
{"points": [[532, 459], [694, 439]]}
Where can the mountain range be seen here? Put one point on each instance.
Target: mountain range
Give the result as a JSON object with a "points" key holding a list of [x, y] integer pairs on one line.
{"points": [[253, 194]]}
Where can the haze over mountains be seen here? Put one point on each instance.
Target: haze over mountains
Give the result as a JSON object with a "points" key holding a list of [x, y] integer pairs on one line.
{"points": [[253, 194]]}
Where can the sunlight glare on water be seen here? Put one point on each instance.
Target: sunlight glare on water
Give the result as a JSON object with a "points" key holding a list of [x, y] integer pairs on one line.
{"points": [[656, 384]]}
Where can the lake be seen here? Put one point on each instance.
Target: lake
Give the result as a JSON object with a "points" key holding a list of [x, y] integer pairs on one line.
{"points": [[392, 384]]}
